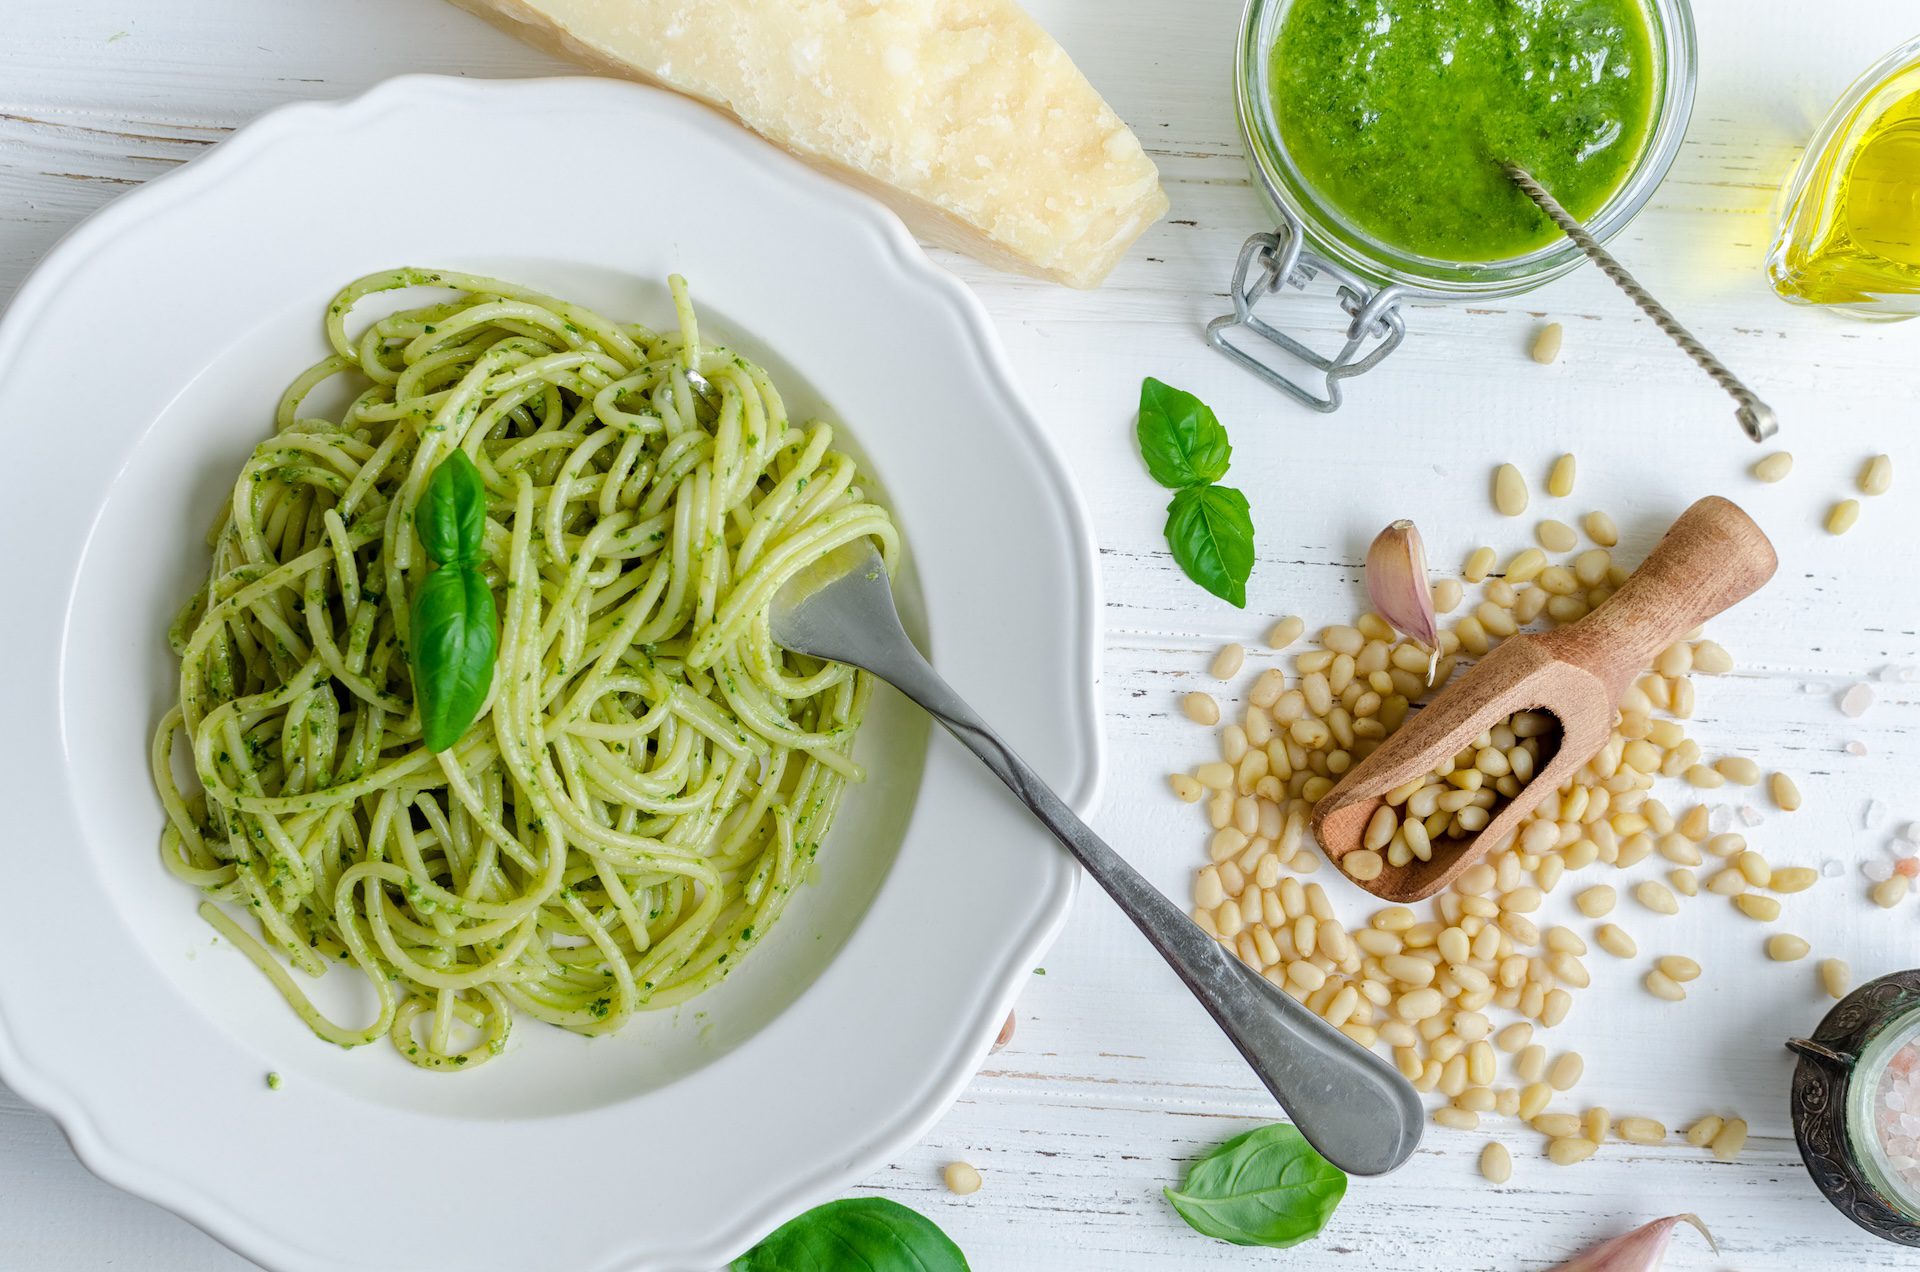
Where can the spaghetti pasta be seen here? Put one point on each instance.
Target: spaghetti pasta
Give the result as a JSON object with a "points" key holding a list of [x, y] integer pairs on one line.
{"points": [[650, 775]]}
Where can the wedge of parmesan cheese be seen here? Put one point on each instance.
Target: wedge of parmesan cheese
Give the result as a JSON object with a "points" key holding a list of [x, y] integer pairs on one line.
{"points": [[963, 115]]}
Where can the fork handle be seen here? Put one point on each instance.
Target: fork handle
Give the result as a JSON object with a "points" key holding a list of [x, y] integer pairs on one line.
{"points": [[1350, 1104]]}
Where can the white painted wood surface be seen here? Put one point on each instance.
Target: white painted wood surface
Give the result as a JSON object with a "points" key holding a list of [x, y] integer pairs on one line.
{"points": [[1115, 1081]]}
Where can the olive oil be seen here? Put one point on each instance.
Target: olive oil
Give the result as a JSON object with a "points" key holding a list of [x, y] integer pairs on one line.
{"points": [[1850, 230]]}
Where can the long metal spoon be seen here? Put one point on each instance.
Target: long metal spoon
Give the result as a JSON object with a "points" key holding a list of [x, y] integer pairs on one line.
{"points": [[1350, 1104], [1756, 417]]}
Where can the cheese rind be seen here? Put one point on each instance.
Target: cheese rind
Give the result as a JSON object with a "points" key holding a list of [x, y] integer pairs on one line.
{"points": [[964, 115]]}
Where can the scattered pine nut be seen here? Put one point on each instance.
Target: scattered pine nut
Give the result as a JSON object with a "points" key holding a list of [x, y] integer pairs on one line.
{"points": [[1600, 528], [1556, 536], [1201, 707], [1876, 478], [1457, 1119], [1843, 515], [1784, 947], [1595, 1123], [1556, 1125], [1756, 907], [1478, 565], [1285, 632], [1701, 1133], [1640, 1130], [1560, 477], [1227, 663], [1738, 769], [1568, 1151], [1890, 891], [1661, 985], [1656, 897], [1684, 882], [1496, 1163], [962, 1179], [1774, 467], [1595, 901], [1731, 1138], [1786, 795], [1793, 878], [1546, 345], [1509, 491], [1615, 940], [1678, 967], [1835, 977], [1185, 787], [1565, 1071]]}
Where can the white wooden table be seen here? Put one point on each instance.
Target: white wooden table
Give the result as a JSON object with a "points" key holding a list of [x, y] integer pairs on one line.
{"points": [[1115, 1080]]}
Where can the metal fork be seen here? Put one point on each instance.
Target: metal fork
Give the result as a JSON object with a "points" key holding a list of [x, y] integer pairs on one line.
{"points": [[1350, 1104]]}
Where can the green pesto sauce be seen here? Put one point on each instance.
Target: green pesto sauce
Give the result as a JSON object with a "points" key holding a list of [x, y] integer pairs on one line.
{"points": [[1397, 113]]}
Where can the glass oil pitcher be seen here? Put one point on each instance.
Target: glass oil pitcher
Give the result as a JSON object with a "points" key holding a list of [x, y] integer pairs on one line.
{"points": [[1849, 235]]}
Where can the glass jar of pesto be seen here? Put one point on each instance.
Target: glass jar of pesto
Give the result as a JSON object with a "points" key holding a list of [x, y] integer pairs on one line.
{"points": [[1377, 130]]}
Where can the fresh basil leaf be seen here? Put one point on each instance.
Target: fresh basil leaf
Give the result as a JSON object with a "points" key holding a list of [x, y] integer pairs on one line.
{"points": [[870, 1234], [1182, 442], [1211, 534], [1265, 1188], [452, 514], [451, 649]]}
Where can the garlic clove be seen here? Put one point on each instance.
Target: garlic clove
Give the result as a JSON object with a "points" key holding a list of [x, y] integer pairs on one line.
{"points": [[1397, 583], [1638, 1251]]}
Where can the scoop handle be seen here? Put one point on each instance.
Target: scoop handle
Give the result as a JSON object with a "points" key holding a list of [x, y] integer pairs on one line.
{"points": [[1712, 558]]}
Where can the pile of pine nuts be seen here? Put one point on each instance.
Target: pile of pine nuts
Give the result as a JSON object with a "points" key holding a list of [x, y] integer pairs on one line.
{"points": [[1429, 987]]}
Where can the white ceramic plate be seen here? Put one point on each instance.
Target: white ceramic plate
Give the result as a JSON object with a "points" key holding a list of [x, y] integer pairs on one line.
{"points": [[139, 365]]}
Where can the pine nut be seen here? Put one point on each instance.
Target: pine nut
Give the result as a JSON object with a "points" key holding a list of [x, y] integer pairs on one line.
{"points": [[1656, 896], [962, 1179], [1201, 708], [1794, 878], [1876, 477], [1364, 865], [1728, 845], [1738, 769], [1684, 882], [1478, 565], [1215, 776], [1560, 476], [1226, 663], [1531, 1064], [1754, 867], [1615, 941], [1533, 1100], [1758, 908], [1600, 528], [1496, 1163], [1773, 467], [1566, 1071], [1786, 795], [1679, 967], [1835, 977], [1556, 536], [1595, 901], [1728, 883], [1595, 1124], [1446, 595], [1514, 1037], [1701, 1133], [1556, 1125], [1784, 947], [1509, 491], [1661, 985], [1732, 1137], [1458, 1119], [1888, 893], [1640, 1130], [1843, 516], [1591, 566], [1546, 345], [1568, 1151], [1285, 632]]}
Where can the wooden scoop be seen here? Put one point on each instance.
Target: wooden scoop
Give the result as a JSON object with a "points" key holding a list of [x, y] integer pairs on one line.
{"points": [[1710, 559]]}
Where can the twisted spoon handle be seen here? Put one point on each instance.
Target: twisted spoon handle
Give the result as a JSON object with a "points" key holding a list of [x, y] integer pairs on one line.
{"points": [[1755, 416]]}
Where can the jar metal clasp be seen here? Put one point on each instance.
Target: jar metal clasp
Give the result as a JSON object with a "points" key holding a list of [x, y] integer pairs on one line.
{"points": [[1375, 325]]}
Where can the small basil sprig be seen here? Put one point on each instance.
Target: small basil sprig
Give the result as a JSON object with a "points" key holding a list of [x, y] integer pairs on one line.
{"points": [[868, 1233], [1264, 1188], [453, 641], [1209, 526]]}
